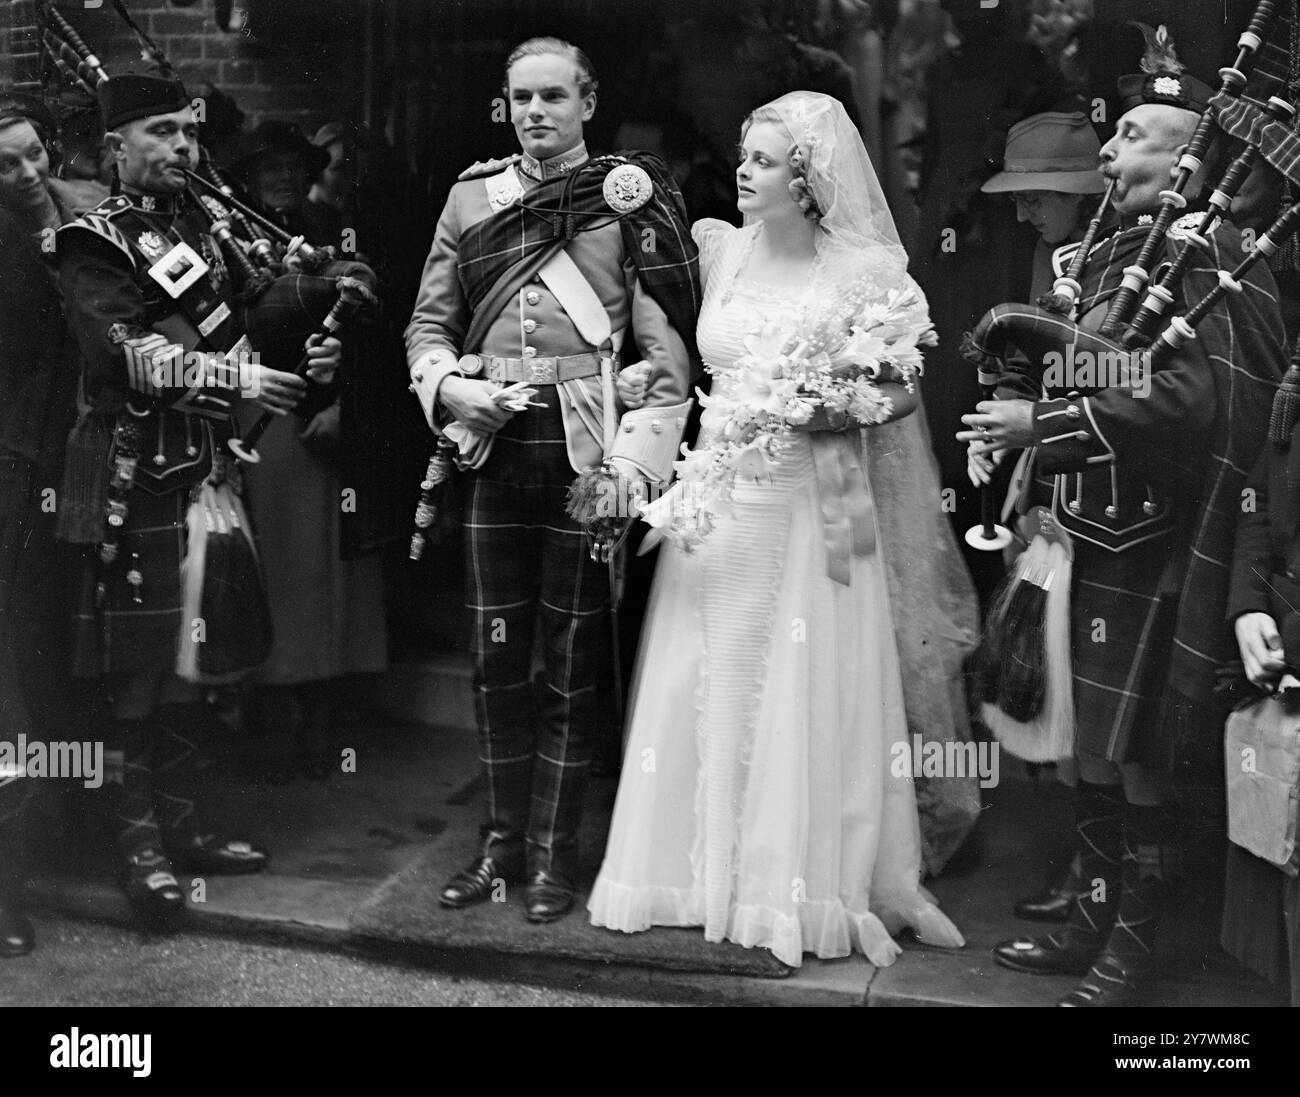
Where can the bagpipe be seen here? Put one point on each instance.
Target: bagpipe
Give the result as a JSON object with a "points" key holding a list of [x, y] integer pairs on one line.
{"points": [[1023, 664], [288, 289]]}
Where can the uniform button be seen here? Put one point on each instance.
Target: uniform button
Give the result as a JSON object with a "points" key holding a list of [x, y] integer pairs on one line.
{"points": [[1072, 412], [1074, 506], [628, 428], [1149, 508], [1112, 511], [533, 298], [1290, 574], [530, 326], [657, 427], [417, 375], [530, 352]]}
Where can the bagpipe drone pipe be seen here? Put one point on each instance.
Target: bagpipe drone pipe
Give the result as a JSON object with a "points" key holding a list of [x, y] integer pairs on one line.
{"points": [[1023, 665]]}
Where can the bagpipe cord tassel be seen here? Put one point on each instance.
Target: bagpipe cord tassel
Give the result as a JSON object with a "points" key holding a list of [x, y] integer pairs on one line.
{"points": [[1286, 404]]}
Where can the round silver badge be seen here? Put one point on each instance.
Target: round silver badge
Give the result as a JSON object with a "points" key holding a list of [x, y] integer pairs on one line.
{"points": [[627, 188]]}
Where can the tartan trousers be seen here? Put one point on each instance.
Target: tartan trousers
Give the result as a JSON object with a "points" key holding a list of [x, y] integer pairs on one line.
{"points": [[528, 572]]}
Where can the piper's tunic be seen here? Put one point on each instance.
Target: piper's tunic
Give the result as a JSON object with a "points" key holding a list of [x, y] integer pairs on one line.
{"points": [[1147, 484]]}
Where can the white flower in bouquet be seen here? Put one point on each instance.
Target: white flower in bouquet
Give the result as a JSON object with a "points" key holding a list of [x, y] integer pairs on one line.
{"points": [[834, 362]]}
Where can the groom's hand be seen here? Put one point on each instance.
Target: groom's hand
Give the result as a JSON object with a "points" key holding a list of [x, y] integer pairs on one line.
{"points": [[469, 400]]}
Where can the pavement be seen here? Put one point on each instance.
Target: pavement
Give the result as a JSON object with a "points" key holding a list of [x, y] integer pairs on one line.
{"points": [[404, 799]]}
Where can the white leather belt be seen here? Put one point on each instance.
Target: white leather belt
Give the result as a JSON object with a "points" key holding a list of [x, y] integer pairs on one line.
{"points": [[543, 370]]}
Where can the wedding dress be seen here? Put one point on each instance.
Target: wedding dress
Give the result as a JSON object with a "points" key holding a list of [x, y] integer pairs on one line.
{"points": [[761, 795]]}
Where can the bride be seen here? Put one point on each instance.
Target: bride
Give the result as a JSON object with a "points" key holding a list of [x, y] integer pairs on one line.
{"points": [[767, 790]]}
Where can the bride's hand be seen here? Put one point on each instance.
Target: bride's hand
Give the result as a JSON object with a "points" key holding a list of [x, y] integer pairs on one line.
{"points": [[631, 384]]}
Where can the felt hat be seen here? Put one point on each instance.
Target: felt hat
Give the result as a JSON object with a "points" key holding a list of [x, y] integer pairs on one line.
{"points": [[1050, 151]]}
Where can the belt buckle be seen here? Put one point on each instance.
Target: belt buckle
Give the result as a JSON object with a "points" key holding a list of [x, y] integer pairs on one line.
{"points": [[543, 371]]}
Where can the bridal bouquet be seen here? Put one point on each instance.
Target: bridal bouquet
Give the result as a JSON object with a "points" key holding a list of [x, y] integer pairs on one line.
{"points": [[823, 373]]}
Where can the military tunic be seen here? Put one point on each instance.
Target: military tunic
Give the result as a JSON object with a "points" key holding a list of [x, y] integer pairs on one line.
{"points": [[169, 412], [1144, 474], [527, 562]]}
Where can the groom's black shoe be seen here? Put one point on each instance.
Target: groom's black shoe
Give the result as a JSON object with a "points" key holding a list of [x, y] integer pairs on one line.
{"points": [[1045, 955], [549, 896], [476, 882]]}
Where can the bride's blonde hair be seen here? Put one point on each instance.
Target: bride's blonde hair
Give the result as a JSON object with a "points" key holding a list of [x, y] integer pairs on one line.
{"points": [[800, 193]]}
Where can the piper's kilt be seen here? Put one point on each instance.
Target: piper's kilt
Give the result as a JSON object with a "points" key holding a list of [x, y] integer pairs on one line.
{"points": [[1121, 630], [118, 635]]}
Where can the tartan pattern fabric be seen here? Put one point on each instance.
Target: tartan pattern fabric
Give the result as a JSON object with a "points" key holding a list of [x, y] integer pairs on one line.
{"points": [[1246, 121], [528, 568], [515, 242], [119, 635], [1155, 672]]}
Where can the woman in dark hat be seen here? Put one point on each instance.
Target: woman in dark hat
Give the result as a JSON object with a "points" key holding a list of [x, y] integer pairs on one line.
{"points": [[328, 613]]}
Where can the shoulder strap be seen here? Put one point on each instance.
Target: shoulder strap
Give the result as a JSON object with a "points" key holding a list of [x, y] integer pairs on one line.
{"points": [[102, 227], [503, 189]]}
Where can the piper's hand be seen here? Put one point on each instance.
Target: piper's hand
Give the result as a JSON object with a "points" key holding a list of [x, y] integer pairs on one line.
{"points": [[325, 353], [997, 425], [469, 401], [1261, 648], [631, 384], [980, 467], [274, 390]]}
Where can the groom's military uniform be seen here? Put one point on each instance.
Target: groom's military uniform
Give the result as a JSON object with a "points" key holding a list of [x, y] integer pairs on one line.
{"points": [[547, 273]]}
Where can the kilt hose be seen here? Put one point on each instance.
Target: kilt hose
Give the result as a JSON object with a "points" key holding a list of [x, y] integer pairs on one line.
{"points": [[527, 564]]}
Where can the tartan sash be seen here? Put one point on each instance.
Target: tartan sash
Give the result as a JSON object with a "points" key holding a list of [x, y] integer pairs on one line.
{"points": [[501, 252]]}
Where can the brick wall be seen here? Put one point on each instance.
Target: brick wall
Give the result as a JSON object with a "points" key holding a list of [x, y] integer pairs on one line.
{"points": [[280, 74]]}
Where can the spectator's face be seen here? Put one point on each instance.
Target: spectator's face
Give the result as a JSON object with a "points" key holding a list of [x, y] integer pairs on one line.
{"points": [[331, 179], [764, 173], [280, 181], [545, 106], [1143, 155], [24, 166], [1053, 214], [153, 153]]}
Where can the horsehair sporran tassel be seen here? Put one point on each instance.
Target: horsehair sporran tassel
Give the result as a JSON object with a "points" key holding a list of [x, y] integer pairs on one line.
{"points": [[1286, 403]]}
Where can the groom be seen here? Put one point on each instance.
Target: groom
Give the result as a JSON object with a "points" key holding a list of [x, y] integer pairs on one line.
{"points": [[539, 267]]}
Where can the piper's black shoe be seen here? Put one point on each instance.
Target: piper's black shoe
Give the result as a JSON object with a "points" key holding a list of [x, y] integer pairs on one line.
{"points": [[152, 890], [549, 896], [210, 855], [476, 882], [1108, 983], [1044, 956], [17, 937], [1053, 903]]}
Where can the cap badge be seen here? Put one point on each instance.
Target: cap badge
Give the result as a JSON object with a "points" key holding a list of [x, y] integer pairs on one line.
{"points": [[627, 188], [1167, 85]]}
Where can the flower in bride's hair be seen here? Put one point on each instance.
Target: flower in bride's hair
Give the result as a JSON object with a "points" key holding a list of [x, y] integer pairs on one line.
{"points": [[800, 191]]}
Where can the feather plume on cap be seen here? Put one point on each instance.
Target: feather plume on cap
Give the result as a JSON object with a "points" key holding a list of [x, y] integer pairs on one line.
{"points": [[1160, 58]]}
